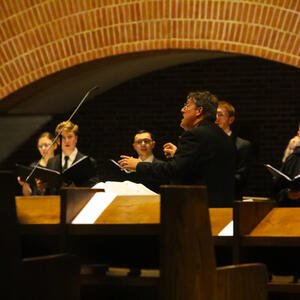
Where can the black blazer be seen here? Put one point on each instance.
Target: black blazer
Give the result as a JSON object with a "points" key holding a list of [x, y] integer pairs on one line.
{"points": [[205, 155], [54, 163], [244, 157]]}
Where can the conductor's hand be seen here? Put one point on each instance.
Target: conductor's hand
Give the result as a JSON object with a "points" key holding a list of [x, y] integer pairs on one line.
{"points": [[169, 150], [128, 162]]}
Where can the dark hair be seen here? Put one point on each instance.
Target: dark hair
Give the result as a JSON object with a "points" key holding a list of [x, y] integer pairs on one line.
{"points": [[144, 131], [207, 101]]}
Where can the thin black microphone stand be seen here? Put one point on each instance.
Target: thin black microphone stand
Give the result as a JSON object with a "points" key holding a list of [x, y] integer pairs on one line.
{"points": [[59, 133]]}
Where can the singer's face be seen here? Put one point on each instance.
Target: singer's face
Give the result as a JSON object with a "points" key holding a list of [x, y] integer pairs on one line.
{"points": [[143, 144], [69, 141], [44, 144], [223, 119]]}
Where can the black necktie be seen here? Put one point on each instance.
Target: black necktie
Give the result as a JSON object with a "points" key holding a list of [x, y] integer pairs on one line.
{"points": [[65, 166]]}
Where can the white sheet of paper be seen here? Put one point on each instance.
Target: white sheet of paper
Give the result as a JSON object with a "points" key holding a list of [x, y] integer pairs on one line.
{"points": [[227, 230], [124, 188], [94, 208], [100, 201]]}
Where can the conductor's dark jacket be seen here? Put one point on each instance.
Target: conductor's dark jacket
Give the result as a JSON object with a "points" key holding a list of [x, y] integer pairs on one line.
{"points": [[206, 156], [244, 157]]}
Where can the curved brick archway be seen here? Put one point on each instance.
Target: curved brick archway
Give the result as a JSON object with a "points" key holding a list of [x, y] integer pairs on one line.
{"points": [[42, 37]]}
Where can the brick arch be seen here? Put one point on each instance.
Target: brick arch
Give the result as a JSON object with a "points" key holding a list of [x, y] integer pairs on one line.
{"points": [[39, 38]]}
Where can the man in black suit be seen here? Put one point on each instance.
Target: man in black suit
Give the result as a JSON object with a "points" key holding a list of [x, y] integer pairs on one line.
{"points": [[70, 155], [205, 154], [225, 118]]}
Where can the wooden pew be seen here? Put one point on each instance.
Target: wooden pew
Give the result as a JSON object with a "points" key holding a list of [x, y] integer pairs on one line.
{"points": [[132, 222], [42, 216], [188, 253], [261, 230], [48, 277], [270, 234]]}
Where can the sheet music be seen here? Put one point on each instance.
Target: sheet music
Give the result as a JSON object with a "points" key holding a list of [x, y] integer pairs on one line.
{"points": [[100, 201], [124, 188]]}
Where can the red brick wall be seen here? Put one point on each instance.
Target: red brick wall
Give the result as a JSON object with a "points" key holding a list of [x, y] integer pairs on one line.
{"points": [[39, 38], [265, 94]]}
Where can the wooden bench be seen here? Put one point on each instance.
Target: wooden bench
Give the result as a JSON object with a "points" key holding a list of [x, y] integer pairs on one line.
{"points": [[187, 269], [48, 277]]}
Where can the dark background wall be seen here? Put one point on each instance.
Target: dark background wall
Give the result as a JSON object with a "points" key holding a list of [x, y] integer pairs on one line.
{"points": [[264, 93]]}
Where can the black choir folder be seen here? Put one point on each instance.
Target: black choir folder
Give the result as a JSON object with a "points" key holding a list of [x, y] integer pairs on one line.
{"points": [[78, 171], [292, 183]]}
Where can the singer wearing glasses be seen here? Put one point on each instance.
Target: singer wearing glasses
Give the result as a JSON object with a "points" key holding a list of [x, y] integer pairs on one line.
{"points": [[44, 143], [144, 144], [70, 155], [205, 155]]}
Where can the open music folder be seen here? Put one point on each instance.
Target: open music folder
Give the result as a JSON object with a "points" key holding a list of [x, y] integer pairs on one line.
{"points": [[292, 183], [76, 172]]}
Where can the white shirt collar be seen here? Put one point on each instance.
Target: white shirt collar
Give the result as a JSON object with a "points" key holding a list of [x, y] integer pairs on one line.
{"points": [[71, 159]]}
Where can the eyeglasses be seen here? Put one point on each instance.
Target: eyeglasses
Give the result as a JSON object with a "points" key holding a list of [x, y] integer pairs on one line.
{"points": [[145, 141], [188, 104], [45, 145]]}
